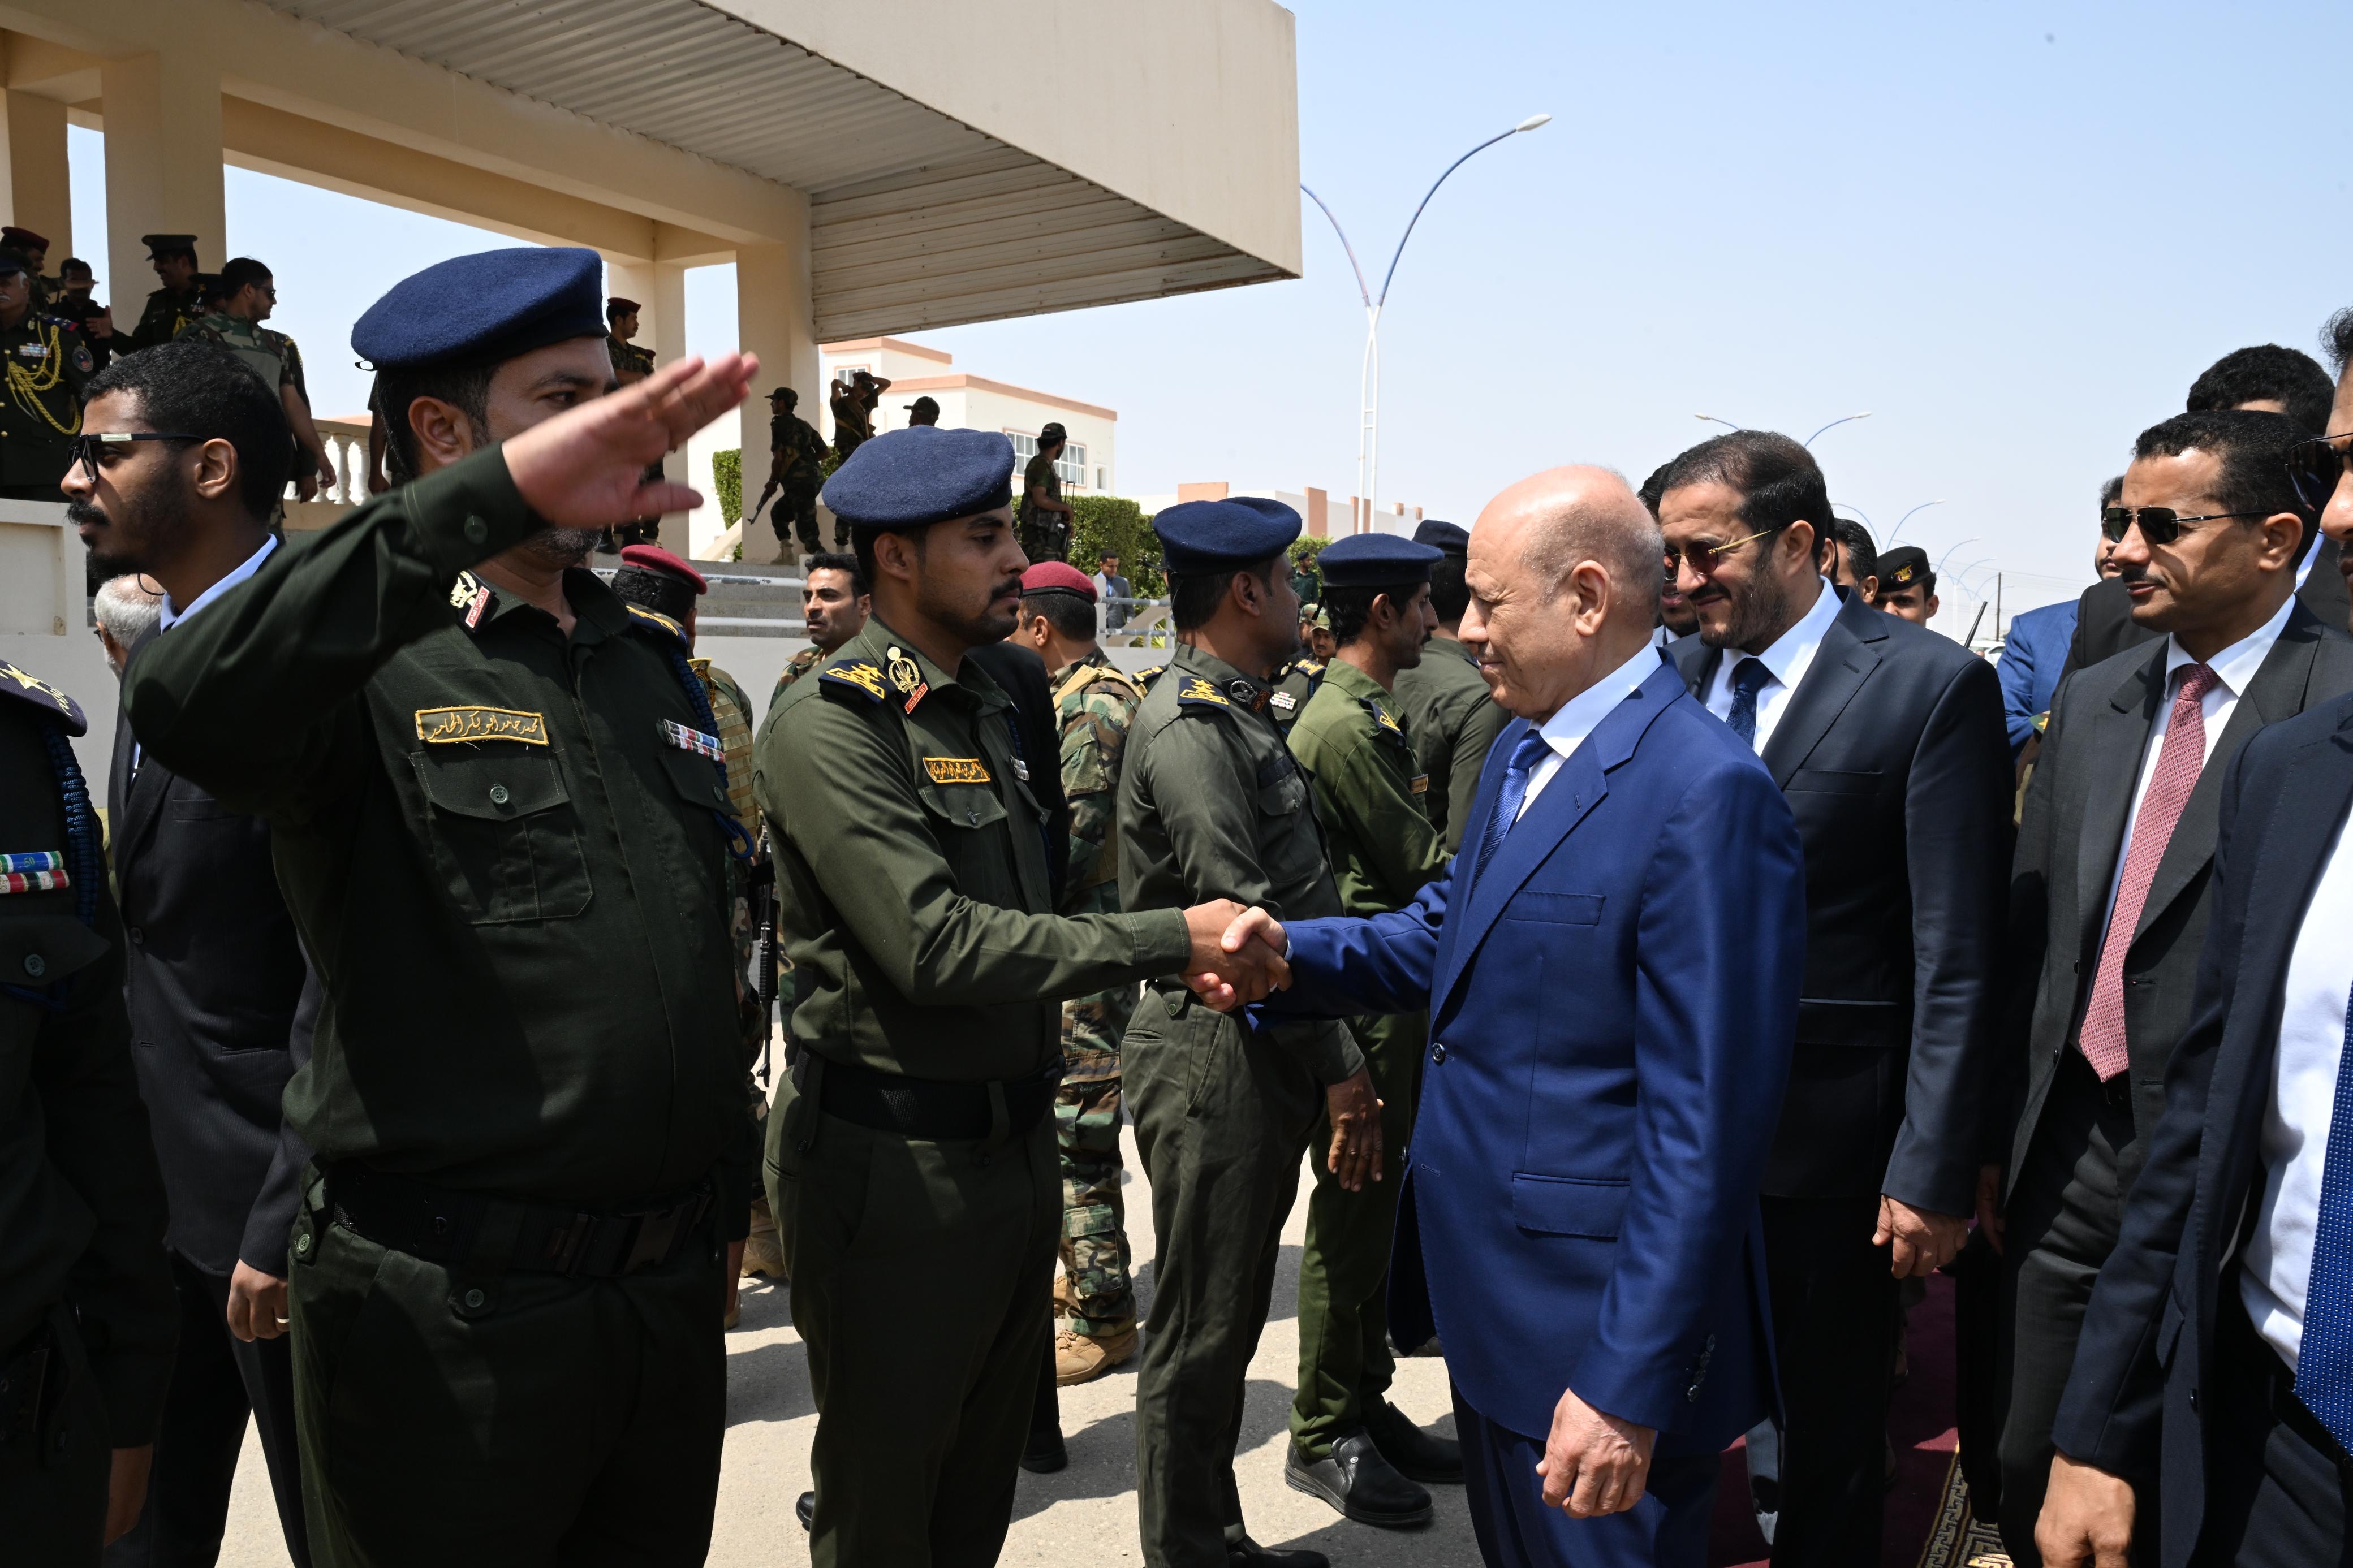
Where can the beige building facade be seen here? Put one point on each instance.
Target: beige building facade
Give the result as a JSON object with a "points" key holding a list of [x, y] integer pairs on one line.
{"points": [[1089, 464]]}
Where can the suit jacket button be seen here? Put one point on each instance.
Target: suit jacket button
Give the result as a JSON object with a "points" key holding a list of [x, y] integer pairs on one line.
{"points": [[1437, 1052], [35, 965], [2193, 1399], [138, 937]]}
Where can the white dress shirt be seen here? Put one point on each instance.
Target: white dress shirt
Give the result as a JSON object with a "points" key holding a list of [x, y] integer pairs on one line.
{"points": [[1582, 714], [1786, 663], [2277, 1264], [2233, 669], [173, 614]]}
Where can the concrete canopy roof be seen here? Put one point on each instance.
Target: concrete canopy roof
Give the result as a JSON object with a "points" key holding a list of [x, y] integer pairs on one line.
{"points": [[955, 171]]}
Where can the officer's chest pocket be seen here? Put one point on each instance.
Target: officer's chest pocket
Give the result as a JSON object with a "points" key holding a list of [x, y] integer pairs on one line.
{"points": [[1281, 787], [968, 819], [505, 838]]}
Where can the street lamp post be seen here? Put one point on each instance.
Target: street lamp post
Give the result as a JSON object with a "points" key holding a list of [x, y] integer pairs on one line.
{"points": [[1900, 521], [1368, 377], [1808, 442]]}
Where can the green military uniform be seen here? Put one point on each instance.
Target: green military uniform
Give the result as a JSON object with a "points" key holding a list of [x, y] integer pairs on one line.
{"points": [[731, 708], [47, 365], [1445, 706], [910, 1160], [1295, 685], [270, 355], [1368, 795], [1213, 805], [79, 311], [88, 1314], [505, 849], [167, 312], [1045, 535], [1094, 704], [627, 358], [795, 452]]}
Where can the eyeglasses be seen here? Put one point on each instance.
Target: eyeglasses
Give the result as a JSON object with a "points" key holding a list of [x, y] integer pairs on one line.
{"points": [[86, 445], [1705, 557], [2158, 524], [2314, 467]]}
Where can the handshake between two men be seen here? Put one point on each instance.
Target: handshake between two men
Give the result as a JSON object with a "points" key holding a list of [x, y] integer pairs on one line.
{"points": [[1237, 958]]}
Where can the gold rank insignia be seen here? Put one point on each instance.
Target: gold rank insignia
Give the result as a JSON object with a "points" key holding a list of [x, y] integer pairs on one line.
{"points": [[1196, 690], [859, 675], [460, 726], [32, 688], [471, 595], [1419, 783], [957, 770], [906, 679], [656, 619], [1381, 717]]}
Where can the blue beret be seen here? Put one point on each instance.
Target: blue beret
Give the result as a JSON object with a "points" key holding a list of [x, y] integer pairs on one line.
{"points": [[922, 475], [1374, 561], [1199, 537], [484, 309], [1449, 537]]}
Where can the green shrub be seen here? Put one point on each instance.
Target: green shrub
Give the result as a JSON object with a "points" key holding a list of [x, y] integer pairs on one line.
{"points": [[1116, 524], [727, 479]]}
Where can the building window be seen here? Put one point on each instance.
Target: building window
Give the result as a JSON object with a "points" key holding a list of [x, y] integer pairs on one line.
{"points": [[1072, 465]]}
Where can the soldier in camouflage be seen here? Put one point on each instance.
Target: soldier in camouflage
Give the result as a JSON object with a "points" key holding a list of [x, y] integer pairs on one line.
{"points": [[1094, 703]]}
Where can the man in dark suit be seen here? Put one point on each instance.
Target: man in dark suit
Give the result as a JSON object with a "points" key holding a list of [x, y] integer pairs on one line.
{"points": [[2234, 1276], [2266, 379], [2111, 890], [1585, 1175], [220, 1015], [1887, 740]]}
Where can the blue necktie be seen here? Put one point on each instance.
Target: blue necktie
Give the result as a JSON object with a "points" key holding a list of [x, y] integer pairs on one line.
{"points": [[1748, 678], [2324, 1362], [1533, 749]]}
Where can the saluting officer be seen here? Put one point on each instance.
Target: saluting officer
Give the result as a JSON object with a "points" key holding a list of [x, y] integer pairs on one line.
{"points": [[1443, 700], [87, 1312], [501, 820], [1348, 1445], [1212, 805], [910, 1154], [47, 365]]}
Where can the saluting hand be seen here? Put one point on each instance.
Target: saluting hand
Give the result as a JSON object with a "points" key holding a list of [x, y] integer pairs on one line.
{"points": [[1224, 972], [585, 466]]}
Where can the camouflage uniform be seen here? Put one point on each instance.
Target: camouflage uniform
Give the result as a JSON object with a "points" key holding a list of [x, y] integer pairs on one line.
{"points": [[1094, 704], [801, 663]]}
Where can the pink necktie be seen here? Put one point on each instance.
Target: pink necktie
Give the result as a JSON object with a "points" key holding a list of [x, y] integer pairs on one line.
{"points": [[2178, 762]]}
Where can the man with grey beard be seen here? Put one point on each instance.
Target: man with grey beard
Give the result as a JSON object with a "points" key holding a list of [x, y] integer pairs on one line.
{"points": [[498, 811]]}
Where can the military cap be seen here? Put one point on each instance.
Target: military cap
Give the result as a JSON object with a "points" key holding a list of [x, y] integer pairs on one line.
{"points": [[16, 238], [168, 243], [620, 307], [1321, 619], [1051, 434], [925, 408], [920, 476], [1903, 566], [1376, 561], [776, 392], [484, 309], [1267, 506], [1199, 537], [658, 580], [1447, 538], [1058, 577], [13, 261]]}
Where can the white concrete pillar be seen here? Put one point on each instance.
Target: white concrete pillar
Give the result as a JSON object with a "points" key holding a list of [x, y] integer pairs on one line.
{"points": [[162, 120], [39, 194], [663, 330], [775, 318]]}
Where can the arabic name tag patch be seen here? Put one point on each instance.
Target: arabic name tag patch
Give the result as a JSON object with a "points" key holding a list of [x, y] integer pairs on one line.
{"points": [[39, 871], [458, 726], [1419, 783], [688, 738], [957, 770]]}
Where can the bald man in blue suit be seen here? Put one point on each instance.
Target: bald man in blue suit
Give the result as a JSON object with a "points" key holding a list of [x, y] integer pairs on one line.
{"points": [[1611, 971]]}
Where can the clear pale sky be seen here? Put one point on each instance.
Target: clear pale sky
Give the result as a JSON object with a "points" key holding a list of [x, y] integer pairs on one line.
{"points": [[2014, 233]]}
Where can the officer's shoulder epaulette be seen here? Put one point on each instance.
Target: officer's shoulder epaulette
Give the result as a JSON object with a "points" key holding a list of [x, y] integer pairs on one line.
{"points": [[1307, 666], [654, 622], [852, 679], [470, 597], [27, 688], [1385, 720], [1146, 677], [1198, 694]]}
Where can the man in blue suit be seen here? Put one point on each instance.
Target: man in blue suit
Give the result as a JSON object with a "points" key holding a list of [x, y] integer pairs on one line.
{"points": [[1612, 971]]}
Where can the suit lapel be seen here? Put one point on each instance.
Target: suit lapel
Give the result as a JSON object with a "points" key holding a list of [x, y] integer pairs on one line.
{"points": [[142, 792], [1849, 653], [2117, 738], [2276, 692]]}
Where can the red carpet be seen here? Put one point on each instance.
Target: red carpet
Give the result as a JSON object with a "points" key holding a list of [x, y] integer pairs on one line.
{"points": [[1922, 1428]]}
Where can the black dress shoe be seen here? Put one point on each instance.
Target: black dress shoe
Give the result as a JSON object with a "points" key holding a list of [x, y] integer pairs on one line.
{"points": [[1417, 1453], [804, 1510], [1249, 1553], [1043, 1454], [1362, 1485]]}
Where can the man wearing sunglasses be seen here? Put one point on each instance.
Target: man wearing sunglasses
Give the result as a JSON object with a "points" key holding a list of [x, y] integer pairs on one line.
{"points": [[2113, 883], [247, 296], [1887, 742]]}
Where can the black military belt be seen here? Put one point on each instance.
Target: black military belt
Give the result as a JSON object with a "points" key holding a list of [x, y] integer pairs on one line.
{"points": [[927, 1108], [462, 1228]]}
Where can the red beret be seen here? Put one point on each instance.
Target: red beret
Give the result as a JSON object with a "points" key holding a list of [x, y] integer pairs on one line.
{"points": [[654, 558], [1061, 576]]}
